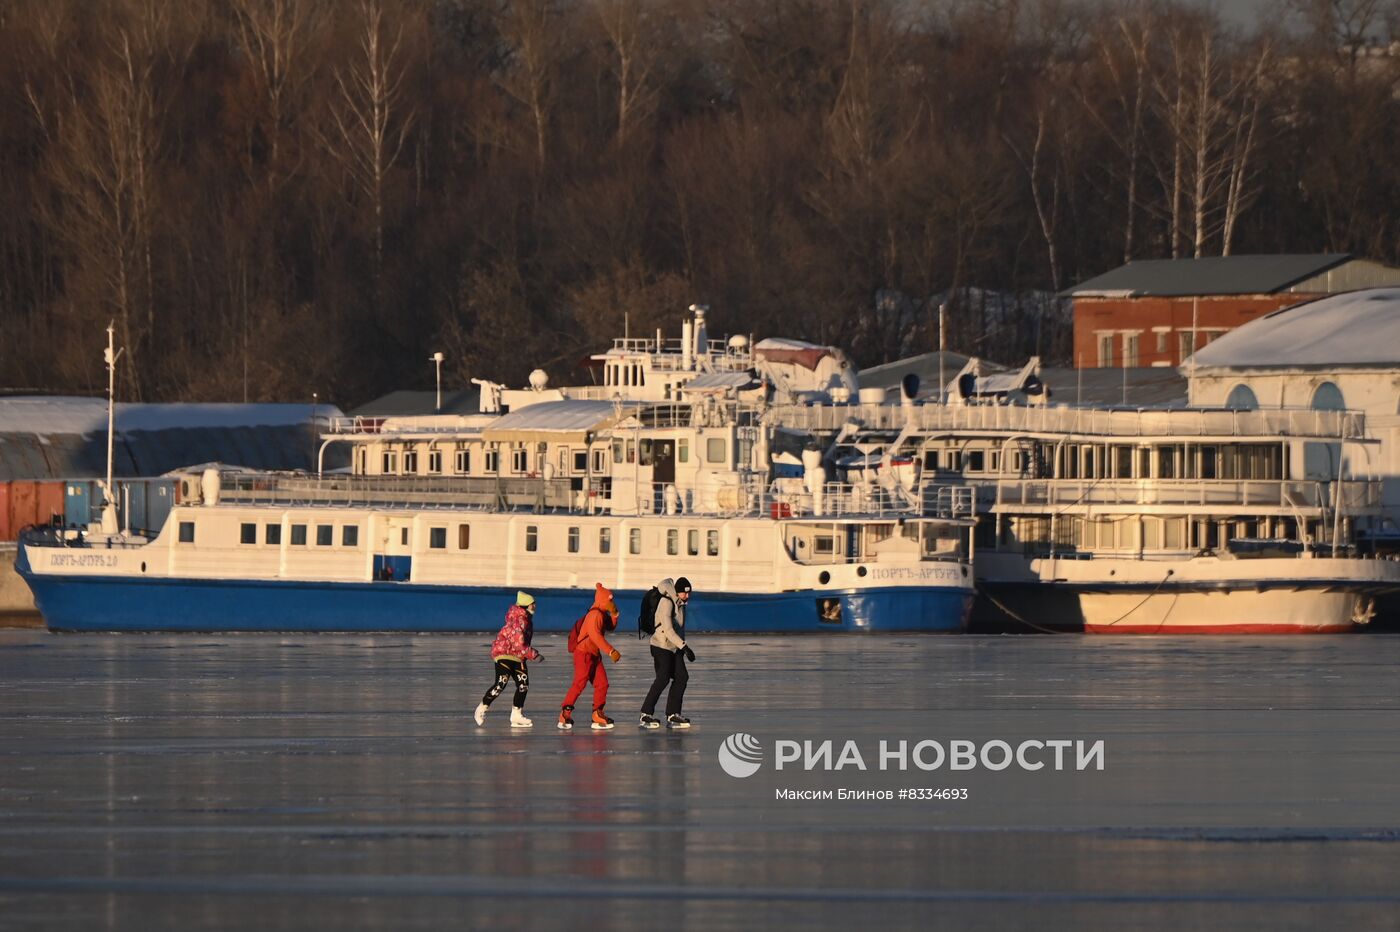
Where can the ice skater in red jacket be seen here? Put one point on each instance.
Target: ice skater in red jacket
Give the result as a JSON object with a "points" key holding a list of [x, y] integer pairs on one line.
{"points": [[588, 644]]}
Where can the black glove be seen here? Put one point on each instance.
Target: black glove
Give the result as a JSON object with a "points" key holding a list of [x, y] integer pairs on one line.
{"points": [[689, 654]]}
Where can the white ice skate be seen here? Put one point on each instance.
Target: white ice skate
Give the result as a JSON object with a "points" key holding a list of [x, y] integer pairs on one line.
{"points": [[518, 719], [480, 714]]}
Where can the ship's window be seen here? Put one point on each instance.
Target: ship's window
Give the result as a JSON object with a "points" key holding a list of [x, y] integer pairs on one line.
{"points": [[600, 461], [953, 460], [298, 535], [1172, 528], [824, 543], [573, 540], [712, 543], [714, 450], [976, 459], [325, 535], [403, 536], [437, 538], [463, 462], [247, 533], [931, 460], [617, 449], [683, 450], [580, 462], [605, 540], [435, 461], [634, 540], [493, 462], [692, 542], [361, 461], [532, 538], [350, 535], [1242, 399], [673, 542], [272, 534], [186, 532], [410, 462], [519, 460], [389, 462], [464, 536]]}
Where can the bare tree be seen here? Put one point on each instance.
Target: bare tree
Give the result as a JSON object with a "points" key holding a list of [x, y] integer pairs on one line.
{"points": [[273, 35], [631, 39], [532, 29], [372, 123]]}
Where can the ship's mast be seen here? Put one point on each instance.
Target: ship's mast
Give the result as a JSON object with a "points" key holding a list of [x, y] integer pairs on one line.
{"points": [[110, 356]]}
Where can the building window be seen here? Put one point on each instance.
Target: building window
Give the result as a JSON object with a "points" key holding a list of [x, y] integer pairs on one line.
{"points": [[1105, 350], [435, 462], [464, 536], [389, 462], [350, 535], [712, 543], [634, 540], [673, 542], [1242, 399], [1183, 342], [573, 540], [186, 532], [532, 538], [325, 535], [714, 450], [520, 460], [272, 534], [1130, 349], [1162, 340], [247, 533], [1328, 397], [298, 535], [605, 540], [437, 538], [410, 462], [463, 462]]}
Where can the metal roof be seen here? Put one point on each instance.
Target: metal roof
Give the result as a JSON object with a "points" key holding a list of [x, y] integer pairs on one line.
{"points": [[1146, 387], [66, 438], [1360, 328], [1215, 275], [410, 404], [925, 366], [556, 421]]}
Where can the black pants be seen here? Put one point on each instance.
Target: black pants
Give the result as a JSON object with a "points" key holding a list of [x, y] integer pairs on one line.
{"points": [[505, 671], [670, 668]]}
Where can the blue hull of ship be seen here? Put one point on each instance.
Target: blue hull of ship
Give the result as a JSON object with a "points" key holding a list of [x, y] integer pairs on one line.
{"points": [[110, 603]]}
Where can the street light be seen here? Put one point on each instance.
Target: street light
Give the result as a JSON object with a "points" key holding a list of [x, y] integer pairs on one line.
{"points": [[436, 359]]}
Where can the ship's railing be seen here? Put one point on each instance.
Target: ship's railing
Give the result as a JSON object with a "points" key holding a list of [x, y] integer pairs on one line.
{"points": [[754, 495], [1125, 425], [390, 426], [485, 493], [1351, 495]]}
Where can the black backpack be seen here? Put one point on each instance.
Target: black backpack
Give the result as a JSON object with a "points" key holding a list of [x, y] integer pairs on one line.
{"points": [[646, 618]]}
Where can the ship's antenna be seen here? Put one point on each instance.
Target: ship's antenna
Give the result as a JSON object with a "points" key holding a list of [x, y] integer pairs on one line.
{"points": [[110, 357], [942, 348]]}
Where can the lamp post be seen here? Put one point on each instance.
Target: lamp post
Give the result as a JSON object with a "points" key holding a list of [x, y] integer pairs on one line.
{"points": [[436, 360]]}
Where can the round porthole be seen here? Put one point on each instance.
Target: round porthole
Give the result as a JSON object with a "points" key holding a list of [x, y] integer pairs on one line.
{"points": [[964, 569], [143, 566], [824, 578], [861, 571]]}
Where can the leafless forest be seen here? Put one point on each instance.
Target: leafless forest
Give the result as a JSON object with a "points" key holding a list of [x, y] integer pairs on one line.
{"points": [[278, 197]]}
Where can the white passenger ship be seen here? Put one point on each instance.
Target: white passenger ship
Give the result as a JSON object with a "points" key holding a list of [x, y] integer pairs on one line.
{"points": [[665, 469], [1138, 521]]}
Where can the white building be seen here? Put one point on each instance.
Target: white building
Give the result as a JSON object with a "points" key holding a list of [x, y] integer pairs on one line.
{"points": [[1337, 353]]}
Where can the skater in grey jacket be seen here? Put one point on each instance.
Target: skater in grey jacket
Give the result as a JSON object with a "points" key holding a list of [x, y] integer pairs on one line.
{"points": [[669, 652]]}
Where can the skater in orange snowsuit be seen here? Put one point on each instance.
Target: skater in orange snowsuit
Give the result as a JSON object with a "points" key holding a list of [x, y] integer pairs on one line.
{"points": [[588, 643]]}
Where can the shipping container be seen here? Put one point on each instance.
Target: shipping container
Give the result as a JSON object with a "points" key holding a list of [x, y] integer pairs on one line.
{"points": [[6, 532], [48, 506], [82, 497]]}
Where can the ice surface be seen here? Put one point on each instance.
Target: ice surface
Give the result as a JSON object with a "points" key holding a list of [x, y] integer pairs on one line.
{"points": [[187, 782]]}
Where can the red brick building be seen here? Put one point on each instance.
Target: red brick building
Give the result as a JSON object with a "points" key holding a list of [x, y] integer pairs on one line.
{"points": [[1145, 313]]}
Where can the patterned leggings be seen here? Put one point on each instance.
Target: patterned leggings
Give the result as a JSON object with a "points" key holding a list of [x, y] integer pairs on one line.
{"points": [[505, 671]]}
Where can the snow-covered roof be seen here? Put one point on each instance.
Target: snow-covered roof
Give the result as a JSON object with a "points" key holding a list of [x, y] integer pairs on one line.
{"points": [[555, 420], [1359, 328]]}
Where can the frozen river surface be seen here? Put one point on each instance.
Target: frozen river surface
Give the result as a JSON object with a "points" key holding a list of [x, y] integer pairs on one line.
{"points": [[270, 782]]}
